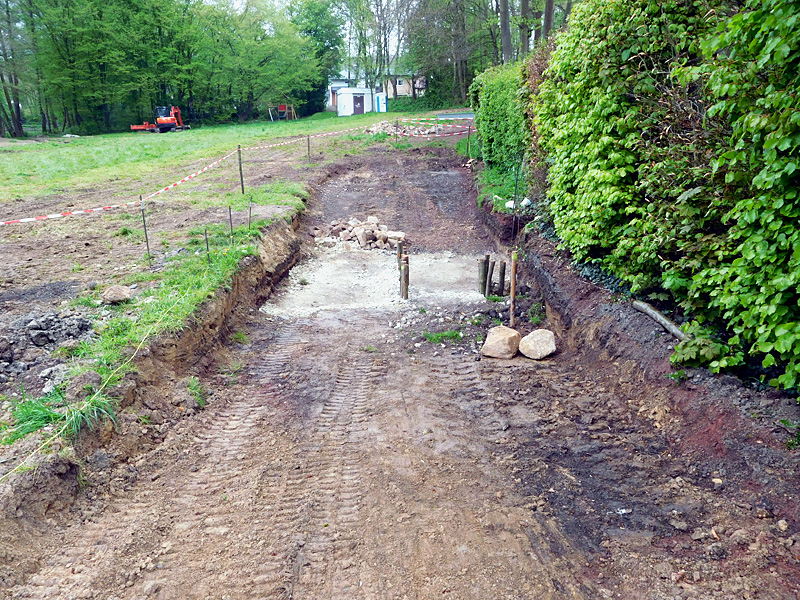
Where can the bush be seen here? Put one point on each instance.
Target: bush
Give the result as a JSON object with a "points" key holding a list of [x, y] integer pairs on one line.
{"points": [[499, 98]]}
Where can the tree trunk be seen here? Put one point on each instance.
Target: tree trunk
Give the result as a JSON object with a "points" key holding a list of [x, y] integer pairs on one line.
{"points": [[524, 26], [537, 33], [549, 9], [505, 31]]}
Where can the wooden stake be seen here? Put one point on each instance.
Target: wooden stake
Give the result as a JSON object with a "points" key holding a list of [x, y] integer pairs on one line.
{"points": [[241, 174], [230, 220], [400, 251], [513, 307], [488, 291], [249, 215], [404, 278], [208, 252], [396, 125], [146, 237], [501, 276], [469, 130], [482, 266], [309, 148]]}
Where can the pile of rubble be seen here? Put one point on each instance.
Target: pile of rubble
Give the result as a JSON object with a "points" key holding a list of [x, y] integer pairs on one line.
{"points": [[29, 338], [405, 128], [369, 234]]}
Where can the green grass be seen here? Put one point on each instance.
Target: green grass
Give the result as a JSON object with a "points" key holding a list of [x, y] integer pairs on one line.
{"points": [[453, 335], [57, 166], [33, 414], [240, 337], [197, 391], [497, 187], [536, 314], [278, 193], [492, 298]]}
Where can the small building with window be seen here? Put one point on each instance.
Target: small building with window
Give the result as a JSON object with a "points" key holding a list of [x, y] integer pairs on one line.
{"points": [[406, 86]]}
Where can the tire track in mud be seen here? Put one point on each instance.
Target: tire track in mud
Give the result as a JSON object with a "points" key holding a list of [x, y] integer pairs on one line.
{"points": [[317, 498], [120, 550]]}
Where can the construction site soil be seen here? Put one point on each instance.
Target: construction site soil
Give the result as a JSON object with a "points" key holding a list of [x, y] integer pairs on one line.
{"points": [[343, 455]]}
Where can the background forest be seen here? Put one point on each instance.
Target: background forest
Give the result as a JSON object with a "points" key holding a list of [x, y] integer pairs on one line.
{"points": [[87, 66]]}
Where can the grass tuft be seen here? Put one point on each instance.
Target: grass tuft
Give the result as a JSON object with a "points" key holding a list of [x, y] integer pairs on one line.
{"points": [[450, 336]]}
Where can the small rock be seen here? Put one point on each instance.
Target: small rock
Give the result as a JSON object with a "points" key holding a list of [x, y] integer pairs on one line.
{"points": [[538, 344], [783, 525], [679, 525], [741, 537], [501, 342], [116, 294], [82, 385], [716, 551]]}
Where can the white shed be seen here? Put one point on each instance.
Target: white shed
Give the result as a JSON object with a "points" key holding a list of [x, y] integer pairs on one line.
{"points": [[353, 101]]}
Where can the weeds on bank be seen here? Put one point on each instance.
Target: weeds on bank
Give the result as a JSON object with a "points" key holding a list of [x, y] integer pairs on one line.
{"points": [[240, 337], [33, 414], [197, 391], [793, 443]]}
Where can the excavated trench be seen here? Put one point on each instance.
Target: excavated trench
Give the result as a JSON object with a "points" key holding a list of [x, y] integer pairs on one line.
{"points": [[343, 455]]}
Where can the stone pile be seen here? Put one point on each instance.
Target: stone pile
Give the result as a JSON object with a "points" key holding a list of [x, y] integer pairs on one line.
{"points": [[369, 234], [23, 344], [404, 128]]}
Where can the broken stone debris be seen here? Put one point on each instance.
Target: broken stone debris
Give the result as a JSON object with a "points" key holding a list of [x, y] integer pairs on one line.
{"points": [[404, 129], [369, 234]]}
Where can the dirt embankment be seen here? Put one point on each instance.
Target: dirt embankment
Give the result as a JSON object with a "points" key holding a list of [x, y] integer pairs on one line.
{"points": [[154, 395]]}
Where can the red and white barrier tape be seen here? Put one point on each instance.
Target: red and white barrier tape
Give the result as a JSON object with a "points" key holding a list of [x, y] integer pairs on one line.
{"points": [[67, 214], [430, 135], [177, 183], [188, 177], [413, 120]]}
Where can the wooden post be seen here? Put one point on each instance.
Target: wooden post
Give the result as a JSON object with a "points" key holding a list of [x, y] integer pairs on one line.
{"points": [[146, 238], [482, 266], [396, 126], [249, 215], [241, 174], [230, 220], [501, 276], [404, 279], [469, 130], [513, 307], [309, 148], [400, 250], [488, 291], [208, 252]]}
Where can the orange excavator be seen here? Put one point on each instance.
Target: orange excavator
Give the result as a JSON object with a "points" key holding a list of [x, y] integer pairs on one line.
{"points": [[168, 118]]}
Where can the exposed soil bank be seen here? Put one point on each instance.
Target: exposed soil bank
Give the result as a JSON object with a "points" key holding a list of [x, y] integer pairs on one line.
{"points": [[153, 398]]}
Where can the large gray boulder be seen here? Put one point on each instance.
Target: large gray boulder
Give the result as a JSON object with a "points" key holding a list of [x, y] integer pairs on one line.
{"points": [[538, 344], [501, 342]]}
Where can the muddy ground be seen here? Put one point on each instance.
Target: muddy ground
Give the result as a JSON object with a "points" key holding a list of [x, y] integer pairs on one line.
{"points": [[342, 455]]}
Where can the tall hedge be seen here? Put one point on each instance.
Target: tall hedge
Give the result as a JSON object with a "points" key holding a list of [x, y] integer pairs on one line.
{"points": [[499, 98], [672, 133]]}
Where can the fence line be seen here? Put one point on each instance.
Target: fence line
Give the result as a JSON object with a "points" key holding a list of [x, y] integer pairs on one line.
{"points": [[217, 162]]}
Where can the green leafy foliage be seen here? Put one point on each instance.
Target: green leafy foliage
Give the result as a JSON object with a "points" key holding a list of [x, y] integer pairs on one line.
{"points": [[672, 140], [499, 98]]}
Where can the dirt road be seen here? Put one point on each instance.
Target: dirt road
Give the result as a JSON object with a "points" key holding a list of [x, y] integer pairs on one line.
{"points": [[343, 456]]}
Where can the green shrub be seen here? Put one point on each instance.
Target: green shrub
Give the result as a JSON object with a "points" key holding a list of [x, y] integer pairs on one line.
{"points": [[499, 98]]}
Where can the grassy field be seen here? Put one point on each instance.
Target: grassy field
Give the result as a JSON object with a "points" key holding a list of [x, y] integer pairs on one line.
{"points": [[30, 169]]}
